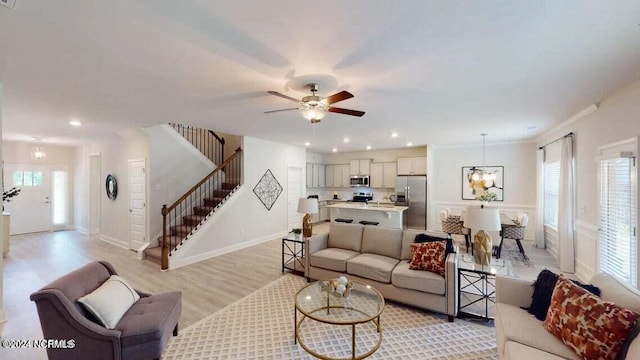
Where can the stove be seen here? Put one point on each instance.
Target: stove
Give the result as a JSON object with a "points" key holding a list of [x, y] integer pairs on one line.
{"points": [[362, 196]]}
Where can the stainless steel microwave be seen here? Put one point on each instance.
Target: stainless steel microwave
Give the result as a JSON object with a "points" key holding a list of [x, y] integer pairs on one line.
{"points": [[359, 180]]}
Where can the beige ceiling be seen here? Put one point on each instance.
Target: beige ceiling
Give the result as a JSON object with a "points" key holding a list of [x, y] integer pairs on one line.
{"points": [[437, 72]]}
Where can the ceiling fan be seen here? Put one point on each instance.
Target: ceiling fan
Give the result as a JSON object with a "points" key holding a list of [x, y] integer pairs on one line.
{"points": [[314, 107]]}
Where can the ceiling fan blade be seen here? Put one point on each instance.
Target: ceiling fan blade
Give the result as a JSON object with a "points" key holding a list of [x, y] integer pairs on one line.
{"points": [[272, 111], [345, 111], [283, 96], [342, 95]]}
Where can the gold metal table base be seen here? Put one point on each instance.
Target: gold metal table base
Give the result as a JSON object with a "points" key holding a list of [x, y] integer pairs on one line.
{"points": [[297, 339]]}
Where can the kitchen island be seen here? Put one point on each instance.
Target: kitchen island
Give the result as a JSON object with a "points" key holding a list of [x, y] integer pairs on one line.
{"points": [[388, 215]]}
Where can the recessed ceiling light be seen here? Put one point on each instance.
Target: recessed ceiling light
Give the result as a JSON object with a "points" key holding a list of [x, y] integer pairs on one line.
{"points": [[394, 134], [346, 140], [368, 147], [75, 123], [307, 144], [335, 150], [409, 143]]}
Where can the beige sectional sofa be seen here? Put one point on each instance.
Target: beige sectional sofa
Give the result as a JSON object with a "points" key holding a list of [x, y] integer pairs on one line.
{"points": [[380, 257], [521, 336]]}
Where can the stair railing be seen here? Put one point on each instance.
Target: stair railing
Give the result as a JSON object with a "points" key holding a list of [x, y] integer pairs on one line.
{"points": [[219, 182], [207, 141]]}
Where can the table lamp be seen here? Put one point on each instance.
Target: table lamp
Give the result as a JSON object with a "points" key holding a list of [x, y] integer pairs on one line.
{"points": [[482, 219], [307, 207]]}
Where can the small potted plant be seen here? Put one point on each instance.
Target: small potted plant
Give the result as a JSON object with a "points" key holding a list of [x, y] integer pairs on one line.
{"points": [[297, 232]]}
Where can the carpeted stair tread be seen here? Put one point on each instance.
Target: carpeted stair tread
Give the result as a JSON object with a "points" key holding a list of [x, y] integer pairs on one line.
{"points": [[211, 202], [181, 230], [203, 210], [153, 254], [192, 220]]}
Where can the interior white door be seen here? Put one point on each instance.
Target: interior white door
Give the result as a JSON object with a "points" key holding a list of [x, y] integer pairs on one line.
{"points": [[31, 209], [137, 203], [294, 192]]}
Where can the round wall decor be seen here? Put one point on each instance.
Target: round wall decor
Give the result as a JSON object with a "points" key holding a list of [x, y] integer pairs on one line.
{"points": [[112, 187]]}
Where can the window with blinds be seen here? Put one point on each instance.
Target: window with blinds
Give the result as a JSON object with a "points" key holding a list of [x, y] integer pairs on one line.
{"points": [[618, 247], [551, 192]]}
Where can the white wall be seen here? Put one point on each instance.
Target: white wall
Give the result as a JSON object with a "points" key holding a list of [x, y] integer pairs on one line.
{"points": [[114, 214], [174, 167], [445, 174], [618, 118], [245, 221], [3, 317]]}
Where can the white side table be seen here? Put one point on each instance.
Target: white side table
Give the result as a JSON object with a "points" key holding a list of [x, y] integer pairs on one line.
{"points": [[6, 217]]}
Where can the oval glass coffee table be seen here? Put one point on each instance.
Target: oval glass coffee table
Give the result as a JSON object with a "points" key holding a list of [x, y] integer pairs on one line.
{"points": [[363, 305]]}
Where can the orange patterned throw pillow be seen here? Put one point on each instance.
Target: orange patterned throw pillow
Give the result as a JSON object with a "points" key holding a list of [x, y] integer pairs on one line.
{"points": [[428, 256], [593, 328]]}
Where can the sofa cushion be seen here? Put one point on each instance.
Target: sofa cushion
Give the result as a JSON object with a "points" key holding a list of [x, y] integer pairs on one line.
{"points": [[382, 241], [419, 280], [593, 328], [517, 351], [429, 256], [345, 236], [409, 237], [519, 326], [146, 319], [372, 266], [332, 259], [109, 302], [543, 288]]}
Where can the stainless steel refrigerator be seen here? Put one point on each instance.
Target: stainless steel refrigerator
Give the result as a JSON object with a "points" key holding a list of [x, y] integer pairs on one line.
{"points": [[411, 191]]}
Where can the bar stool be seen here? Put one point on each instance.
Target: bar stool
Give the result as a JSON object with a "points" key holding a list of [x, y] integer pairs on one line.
{"points": [[348, 221], [515, 232], [365, 222], [453, 225]]}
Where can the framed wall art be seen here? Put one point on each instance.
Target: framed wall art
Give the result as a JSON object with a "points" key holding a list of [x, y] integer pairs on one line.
{"points": [[473, 186], [268, 189]]}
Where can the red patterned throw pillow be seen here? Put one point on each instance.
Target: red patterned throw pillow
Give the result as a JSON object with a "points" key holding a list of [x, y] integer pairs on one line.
{"points": [[593, 328], [428, 256]]}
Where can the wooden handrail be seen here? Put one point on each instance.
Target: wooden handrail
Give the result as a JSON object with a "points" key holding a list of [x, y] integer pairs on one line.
{"points": [[166, 211], [230, 168]]}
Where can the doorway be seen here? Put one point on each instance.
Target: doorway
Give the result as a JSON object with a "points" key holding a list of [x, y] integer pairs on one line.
{"points": [[137, 203], [95, 184], [31, 209]]}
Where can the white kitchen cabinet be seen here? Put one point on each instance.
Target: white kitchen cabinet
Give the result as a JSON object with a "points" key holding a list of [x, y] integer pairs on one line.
{"points": [[329, 175], [383, 175], [389, 175], [321, 175], [360, 167], [337, 175], [346, 178], [309, 175], [315, 175], [412, 166]]}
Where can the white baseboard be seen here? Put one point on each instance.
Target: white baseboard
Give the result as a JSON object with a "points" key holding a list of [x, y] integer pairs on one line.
{"points": [[217, 252], [82, 230], [117, 242]]}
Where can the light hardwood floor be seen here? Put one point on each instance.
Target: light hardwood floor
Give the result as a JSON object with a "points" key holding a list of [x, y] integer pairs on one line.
{"points": [[208, 286], [37, 259]]}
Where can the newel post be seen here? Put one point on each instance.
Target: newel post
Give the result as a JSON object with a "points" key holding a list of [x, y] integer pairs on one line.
{"points": [[165, 245]]}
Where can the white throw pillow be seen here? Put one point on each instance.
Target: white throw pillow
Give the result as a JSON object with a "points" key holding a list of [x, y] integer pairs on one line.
{"points": [[110, 301]]}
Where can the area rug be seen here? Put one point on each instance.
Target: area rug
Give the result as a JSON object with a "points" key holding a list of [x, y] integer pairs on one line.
{"points": [[260, 326], [510, 251]]}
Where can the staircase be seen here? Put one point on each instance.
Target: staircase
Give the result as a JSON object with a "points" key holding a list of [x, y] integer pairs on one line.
{"points": [[178, 233], [183, 218]]}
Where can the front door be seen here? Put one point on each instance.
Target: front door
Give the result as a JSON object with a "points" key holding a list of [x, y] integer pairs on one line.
{"points": [[137, 203], [31, 209]]}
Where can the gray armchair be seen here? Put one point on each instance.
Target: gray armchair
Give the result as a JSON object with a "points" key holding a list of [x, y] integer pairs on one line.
{"points": [[142, 333]]}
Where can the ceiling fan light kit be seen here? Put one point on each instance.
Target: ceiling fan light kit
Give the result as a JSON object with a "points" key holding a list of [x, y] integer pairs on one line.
{"points": [[314, 108]]}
